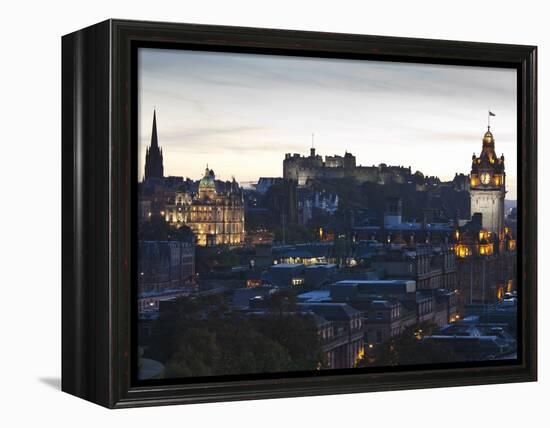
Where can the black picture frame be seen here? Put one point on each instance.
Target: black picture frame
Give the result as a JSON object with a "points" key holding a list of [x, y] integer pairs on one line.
{"points": [[99, 161]]}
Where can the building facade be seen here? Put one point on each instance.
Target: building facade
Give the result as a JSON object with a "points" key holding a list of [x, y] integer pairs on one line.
{"points": [[216, 216], [165, 265], [486, 263], [431, 267], [166, 270], [341, 333]]}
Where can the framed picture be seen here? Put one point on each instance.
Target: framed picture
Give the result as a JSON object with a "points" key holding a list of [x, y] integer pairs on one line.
{"points": [[253, 213]]}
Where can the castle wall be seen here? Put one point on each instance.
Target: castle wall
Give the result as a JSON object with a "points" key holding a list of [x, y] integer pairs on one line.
{"points": [[302, 168]]}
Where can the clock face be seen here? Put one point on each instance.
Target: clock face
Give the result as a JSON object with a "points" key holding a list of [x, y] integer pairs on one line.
{"points": [[485, 178]]}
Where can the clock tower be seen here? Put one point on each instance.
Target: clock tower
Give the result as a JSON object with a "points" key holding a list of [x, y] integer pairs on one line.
{"points": [[488, 186]]}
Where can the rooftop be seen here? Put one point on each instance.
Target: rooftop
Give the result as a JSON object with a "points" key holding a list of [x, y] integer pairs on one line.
{"points": [[321, 266], [353, 282], [287, 266], [331, 311], [314, 296]]}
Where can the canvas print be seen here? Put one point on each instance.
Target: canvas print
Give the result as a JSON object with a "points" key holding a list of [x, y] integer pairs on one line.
{"points": [[299, 215]]}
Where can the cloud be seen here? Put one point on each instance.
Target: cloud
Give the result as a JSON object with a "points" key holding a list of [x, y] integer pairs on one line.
{"points": [[246, 111]]}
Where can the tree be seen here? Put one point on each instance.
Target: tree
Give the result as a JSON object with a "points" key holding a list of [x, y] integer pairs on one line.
{"points": [[297, 333], [245, 350], [199, 336], [194, 354]]}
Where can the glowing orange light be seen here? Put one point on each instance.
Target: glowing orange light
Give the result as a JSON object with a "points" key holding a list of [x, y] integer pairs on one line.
{"points": [[463, 251]]}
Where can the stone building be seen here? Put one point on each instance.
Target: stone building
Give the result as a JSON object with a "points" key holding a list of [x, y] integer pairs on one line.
{"points": [[431, 267], [341, 332], [434, 229], [214, 213], [486, 263], [388, 307], [165, 265], [485, 247], [165, 270]]}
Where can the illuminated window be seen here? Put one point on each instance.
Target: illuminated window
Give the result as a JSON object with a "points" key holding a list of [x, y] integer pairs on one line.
{"points": [[484, 234], [486, 250], [463, 251]]}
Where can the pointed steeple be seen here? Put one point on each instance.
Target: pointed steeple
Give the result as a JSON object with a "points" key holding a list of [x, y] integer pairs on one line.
{"points": [[154, 138], [153, 156]]}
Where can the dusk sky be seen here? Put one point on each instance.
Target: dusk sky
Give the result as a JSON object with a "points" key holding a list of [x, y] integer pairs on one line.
{"points": [[241, 113]]}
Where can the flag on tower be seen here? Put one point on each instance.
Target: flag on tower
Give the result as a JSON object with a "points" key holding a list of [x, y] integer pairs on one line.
{"points": [[491, 113]]}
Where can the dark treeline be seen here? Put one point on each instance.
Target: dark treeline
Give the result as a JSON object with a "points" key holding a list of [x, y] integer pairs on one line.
{"points": [[198, 336]]}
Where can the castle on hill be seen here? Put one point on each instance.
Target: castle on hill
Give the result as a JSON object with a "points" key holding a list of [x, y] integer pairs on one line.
{"points": [[303, 168]]}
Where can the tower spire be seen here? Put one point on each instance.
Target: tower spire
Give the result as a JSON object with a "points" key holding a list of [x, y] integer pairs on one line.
{"points": [[154, 138], [153, 156]]}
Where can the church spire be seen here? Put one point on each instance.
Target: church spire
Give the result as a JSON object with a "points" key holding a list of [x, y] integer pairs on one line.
{"points": [[154, 138], [153, 156]]}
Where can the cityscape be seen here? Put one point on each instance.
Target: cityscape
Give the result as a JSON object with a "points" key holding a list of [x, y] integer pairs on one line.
{"points": [[333, 263]]}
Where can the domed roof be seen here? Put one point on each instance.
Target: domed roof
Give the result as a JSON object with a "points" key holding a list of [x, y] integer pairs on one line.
{"points": [[208, 180]]}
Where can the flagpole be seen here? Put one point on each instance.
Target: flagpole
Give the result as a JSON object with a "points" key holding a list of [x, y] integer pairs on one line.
{"points": [[489, 114]]}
